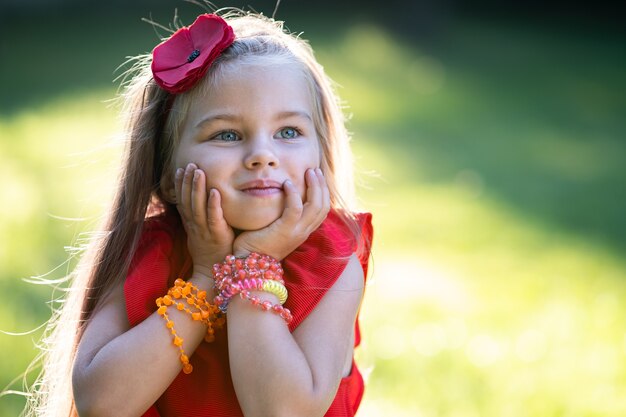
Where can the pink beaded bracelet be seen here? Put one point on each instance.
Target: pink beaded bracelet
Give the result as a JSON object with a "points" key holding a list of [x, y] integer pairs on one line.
{"points": [[255, 272]]}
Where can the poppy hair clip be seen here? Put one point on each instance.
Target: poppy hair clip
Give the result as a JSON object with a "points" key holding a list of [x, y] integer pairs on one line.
{"points": [[180, 61]]}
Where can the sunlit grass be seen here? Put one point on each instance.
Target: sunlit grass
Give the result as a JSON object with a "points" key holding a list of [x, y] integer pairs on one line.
{"points": [[496, 288]]}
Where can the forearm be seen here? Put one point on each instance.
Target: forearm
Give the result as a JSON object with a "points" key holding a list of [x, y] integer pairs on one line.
{"points": [[271, 373], [129, 373]]}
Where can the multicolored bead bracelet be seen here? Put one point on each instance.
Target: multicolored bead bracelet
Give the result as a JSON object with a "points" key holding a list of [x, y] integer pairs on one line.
{"points": [[255, 272]]}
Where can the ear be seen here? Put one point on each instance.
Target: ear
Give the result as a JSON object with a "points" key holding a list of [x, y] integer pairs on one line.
{"points": [[168, 190]]}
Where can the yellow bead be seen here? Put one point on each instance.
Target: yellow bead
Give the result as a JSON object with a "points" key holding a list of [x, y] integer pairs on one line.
{"points": [[187, 368], [169, 324], [180, 306], [178, 341], [162, 310], [196, 316], [184, 358], [167, 300]]}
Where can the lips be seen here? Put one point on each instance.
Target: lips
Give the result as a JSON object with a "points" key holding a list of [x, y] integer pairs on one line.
{"points": [[262, 187]]}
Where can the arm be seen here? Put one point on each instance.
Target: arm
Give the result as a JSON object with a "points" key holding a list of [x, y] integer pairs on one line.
{"points": [[122, 371], [276, 373]]}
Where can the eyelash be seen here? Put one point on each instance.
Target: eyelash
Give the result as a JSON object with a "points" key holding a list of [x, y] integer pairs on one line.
{"points": [[295, 129], [219, 134]]}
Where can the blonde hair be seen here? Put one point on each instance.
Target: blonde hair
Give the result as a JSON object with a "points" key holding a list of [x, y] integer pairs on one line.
{"points": [[154, 122]]}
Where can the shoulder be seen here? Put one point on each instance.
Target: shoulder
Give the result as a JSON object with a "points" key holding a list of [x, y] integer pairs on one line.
{"points": [[352, 278]]}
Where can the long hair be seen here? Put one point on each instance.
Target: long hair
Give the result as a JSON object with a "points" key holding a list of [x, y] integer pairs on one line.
{"points": [[153, 123]]}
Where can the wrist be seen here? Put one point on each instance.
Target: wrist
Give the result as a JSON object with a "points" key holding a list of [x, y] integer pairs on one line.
{"points": [[241, 252], [203, 277]]}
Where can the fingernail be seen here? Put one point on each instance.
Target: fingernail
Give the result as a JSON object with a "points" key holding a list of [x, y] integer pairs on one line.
{"points": [[179, 172], [195, 175], [319, 171]]}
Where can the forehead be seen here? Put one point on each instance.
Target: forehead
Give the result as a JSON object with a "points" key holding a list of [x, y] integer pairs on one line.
{"points": [[254, 88]]}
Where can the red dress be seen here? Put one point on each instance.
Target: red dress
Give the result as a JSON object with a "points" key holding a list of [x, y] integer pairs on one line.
{"points": [[310, 270]]}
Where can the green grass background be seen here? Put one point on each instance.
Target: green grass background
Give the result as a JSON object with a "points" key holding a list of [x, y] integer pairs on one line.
{"points": [[492, 158]]}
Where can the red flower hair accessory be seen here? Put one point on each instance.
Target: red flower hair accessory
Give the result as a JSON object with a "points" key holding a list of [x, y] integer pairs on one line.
{"points": [[183, 59]]}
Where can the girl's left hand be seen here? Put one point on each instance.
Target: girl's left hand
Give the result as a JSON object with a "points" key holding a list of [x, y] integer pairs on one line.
{"points": [[295, 225]]}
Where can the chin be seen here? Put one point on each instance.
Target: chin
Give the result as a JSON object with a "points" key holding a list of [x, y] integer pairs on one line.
{"points": [[248, 220]]}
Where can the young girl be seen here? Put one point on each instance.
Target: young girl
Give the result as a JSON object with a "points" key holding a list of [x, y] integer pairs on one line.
{"points": [[230, 272]]}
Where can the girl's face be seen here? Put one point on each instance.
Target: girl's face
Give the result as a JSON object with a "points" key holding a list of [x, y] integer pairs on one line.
{"points": [[252, 132]]}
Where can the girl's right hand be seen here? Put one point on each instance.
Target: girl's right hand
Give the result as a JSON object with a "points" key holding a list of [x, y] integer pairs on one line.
{"points": [[209, 237]]}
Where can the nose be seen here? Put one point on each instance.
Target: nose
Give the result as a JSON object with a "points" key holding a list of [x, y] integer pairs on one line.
{"points": [[261, 154]]}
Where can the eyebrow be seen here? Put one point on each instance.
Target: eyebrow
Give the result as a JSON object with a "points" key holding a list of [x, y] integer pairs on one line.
{"points": [[229, 117]]}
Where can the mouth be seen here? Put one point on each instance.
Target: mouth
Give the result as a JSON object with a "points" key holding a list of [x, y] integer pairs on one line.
{"points": [[262, 188]]}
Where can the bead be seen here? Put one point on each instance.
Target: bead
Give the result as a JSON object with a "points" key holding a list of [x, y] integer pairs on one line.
{"points": [[186, 290], [240, 275], [205, 312]]}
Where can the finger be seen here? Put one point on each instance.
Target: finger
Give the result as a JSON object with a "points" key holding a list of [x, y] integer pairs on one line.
{"points": [[325, 190], [322, 211], [325, 208], [293, 204], [186, 192], [178, 181], [314, 196], [215, 213], [198, 198]]}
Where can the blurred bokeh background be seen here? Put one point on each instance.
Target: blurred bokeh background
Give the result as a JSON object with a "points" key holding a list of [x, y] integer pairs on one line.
{"points": [[490, 146]]}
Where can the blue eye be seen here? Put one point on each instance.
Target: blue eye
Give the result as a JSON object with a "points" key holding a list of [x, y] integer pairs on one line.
{"points": [[227, 136], [288, 133]]}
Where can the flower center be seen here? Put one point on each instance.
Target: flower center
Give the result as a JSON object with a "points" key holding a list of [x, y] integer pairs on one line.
{"points": [[195, 54]]}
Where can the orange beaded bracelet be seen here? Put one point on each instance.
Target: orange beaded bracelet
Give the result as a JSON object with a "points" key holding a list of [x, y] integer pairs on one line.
{"points": [[207, 313]]}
